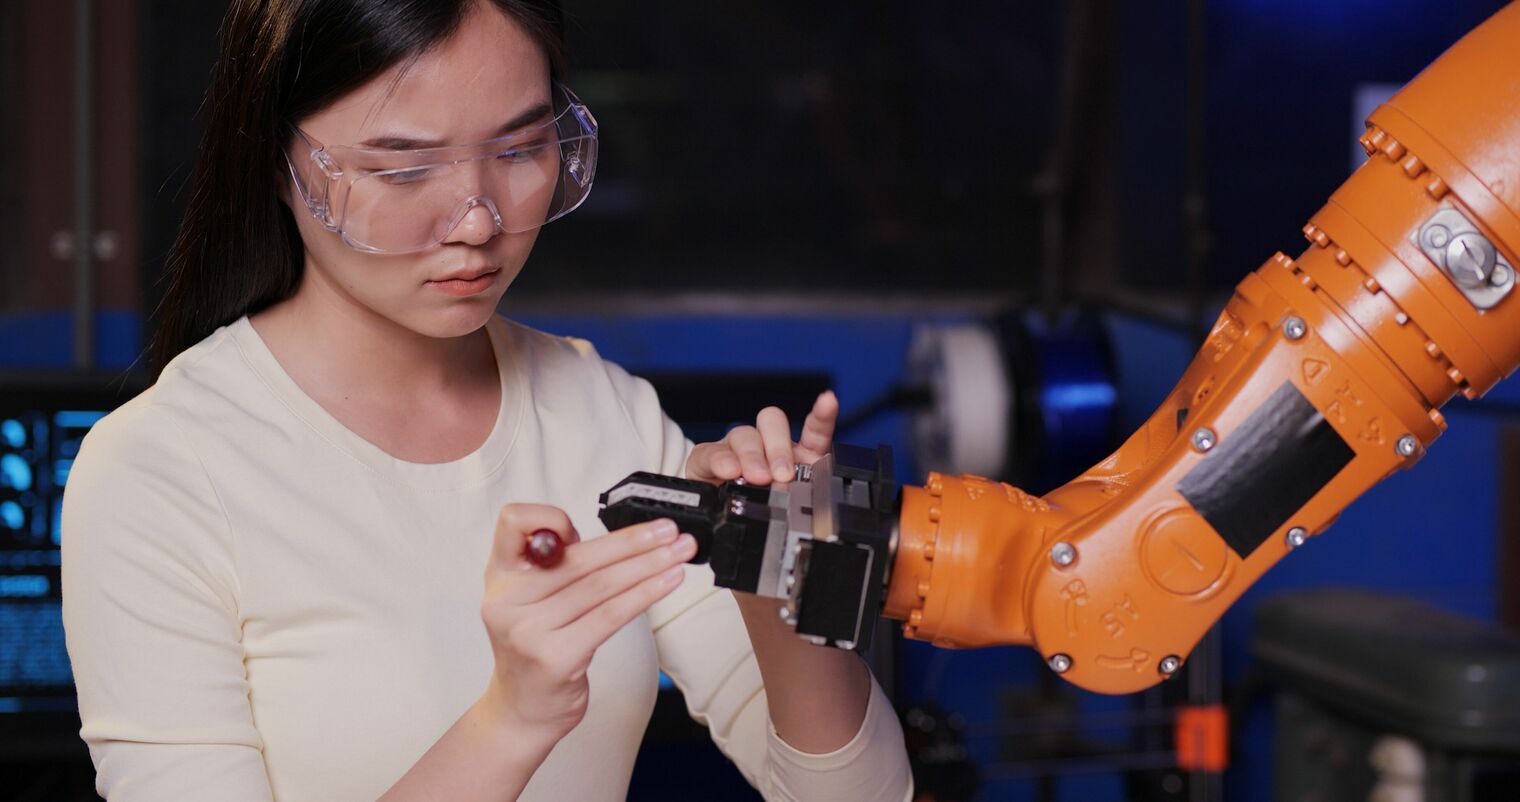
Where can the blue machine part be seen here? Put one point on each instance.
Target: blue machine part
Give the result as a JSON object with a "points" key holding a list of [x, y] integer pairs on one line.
{"points": [[15, 473]]}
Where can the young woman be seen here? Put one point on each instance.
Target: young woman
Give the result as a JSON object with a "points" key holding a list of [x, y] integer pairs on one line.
{"points": [[273, 557]]}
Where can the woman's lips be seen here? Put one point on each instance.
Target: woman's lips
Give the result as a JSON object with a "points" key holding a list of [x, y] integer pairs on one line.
{"points": [[465, 287]]}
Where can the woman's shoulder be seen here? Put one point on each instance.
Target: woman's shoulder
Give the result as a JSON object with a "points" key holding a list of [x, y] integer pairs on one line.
{"points": [[551, 356], [556, 366], [206, 377], [537, 343]]}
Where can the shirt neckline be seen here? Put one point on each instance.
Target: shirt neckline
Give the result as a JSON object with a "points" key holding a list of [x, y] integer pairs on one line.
{"points": [[467, 471]]}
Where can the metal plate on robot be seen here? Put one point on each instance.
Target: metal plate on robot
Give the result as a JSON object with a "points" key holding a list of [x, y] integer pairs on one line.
{"points": [[1477, 268]]}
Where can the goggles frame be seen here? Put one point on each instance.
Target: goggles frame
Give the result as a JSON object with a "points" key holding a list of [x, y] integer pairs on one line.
{"points": [[329, 204]]}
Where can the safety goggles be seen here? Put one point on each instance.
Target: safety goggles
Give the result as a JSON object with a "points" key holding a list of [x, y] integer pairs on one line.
{"points": [[403, 201]]}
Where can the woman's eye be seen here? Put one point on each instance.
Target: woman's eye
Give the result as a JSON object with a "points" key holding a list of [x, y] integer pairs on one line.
{"points": [[523, 153], [407, 176]]}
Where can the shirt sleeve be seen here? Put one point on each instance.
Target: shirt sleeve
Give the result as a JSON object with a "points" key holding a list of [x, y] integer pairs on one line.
{"points": [[704, 648], [150, 616]]}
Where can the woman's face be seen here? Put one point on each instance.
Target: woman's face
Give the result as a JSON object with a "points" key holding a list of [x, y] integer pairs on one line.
{"points": [[487, 75]]}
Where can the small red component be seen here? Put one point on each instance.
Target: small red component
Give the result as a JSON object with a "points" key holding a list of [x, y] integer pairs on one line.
{"points": [[545, 548], [1203, 738]]}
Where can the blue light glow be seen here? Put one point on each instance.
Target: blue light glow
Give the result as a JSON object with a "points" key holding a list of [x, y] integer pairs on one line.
{"points": [[12, 516], [24, 586], [1069, 396], [15, 473], [76, 419], [13, 433]]}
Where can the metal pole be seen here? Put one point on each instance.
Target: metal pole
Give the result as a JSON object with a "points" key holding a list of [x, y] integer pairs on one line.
{"points": [[1195, 196], [84, 185]]}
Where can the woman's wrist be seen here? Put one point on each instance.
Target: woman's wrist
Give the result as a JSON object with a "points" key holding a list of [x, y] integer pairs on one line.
{"points": [[816, 696], [493, 713], [489, 755]]}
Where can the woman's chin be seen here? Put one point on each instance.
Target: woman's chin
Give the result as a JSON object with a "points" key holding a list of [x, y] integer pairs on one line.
{"points": [[457, 320]]}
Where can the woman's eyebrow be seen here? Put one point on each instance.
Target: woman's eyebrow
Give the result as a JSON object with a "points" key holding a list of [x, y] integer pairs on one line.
{"points": [[405, 143]]}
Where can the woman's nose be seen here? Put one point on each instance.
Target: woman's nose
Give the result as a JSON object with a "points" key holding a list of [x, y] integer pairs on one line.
{"points": [[479, 224]]}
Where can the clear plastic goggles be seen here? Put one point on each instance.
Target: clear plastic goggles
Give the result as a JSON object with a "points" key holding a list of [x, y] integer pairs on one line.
{"points": [[402, 201]]}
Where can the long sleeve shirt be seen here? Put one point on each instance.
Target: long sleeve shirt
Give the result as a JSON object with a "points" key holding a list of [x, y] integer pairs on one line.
{"points": [[260, 604]]}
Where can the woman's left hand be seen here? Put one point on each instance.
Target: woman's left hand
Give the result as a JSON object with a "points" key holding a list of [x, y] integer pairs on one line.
{"points": [[765, 453]]}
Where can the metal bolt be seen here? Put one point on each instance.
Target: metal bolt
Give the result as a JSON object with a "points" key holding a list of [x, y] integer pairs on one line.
{"points": [[1294, 328], [1501, 276], [1407, 446], [847, 645], [736, 506], [1059, 663], [1470, 258], [1296, 537], [1437, 236], [1170, 664], [1204, 439], [1063, 554]]}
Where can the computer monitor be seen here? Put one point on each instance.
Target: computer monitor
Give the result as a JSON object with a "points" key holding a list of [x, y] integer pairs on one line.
{"points": [[43, 420]]}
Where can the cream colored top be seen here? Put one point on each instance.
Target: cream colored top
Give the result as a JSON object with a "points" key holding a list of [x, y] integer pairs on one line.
{"points": [[261, 604]]}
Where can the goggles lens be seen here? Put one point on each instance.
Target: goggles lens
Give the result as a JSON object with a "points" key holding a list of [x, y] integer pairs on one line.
{"points": [[401, 201]]}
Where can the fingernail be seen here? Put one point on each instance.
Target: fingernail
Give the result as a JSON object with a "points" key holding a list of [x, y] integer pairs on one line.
{"points": [[686, 546], [663, 531], [672, 576], [780, 469]]}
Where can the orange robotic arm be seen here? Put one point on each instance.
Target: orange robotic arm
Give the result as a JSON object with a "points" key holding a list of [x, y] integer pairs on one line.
{"points": [[1323, 375]]}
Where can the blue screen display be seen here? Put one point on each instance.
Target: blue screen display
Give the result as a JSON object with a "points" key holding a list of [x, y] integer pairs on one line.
{"points": [[38, 443]]}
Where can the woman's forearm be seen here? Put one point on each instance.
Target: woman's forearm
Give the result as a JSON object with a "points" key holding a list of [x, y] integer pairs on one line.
{"points": [[817, 697], [484, 757]]}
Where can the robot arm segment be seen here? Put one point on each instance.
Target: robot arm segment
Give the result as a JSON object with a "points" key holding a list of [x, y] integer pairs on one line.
{"points": [[1322, 376]]}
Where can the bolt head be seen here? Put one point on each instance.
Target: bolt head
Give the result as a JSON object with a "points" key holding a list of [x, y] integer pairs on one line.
{"points": [[1059, 663], [1407, 446], [1063, 554], [1204, 439], [1170, 664], [1470, 259], [1296, 537], [1501, 276], [786, 614], [1294, 328]]}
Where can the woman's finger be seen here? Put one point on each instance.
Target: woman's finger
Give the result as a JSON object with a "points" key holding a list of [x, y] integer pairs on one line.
{"points": [[746, 444], [713, 462], [534, 584], [515, 524], [818, 430], [596, 587], [776, 436], [599, 623]]}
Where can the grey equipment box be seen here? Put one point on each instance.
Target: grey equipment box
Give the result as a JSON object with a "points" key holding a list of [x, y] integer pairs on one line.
{"points": [[1383, 697]]}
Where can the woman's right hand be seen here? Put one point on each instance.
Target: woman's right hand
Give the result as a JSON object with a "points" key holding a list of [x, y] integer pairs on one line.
{"points": [[545, 624]]}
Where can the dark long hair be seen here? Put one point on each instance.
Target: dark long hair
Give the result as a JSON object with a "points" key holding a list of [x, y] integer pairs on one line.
{"points": [[238, 250]]}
